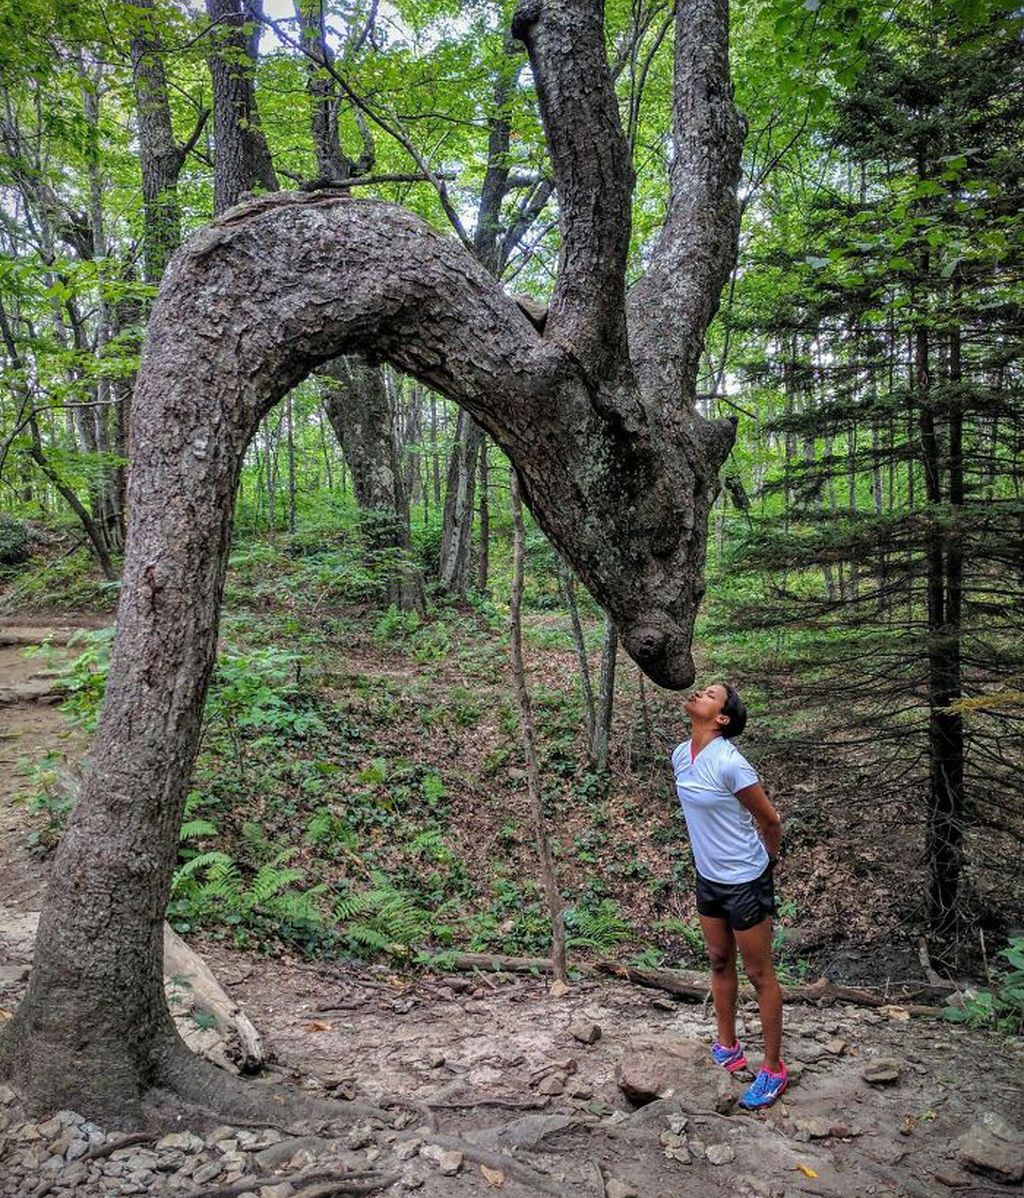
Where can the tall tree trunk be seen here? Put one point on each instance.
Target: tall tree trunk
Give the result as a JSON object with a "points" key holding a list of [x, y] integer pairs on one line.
{"points": [[457, 537], [241, 161], [483, 561], [544, 855], [601, 739], [362, 416]]}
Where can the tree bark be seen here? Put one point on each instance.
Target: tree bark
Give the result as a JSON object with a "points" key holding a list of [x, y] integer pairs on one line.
{"points": [[241, 158], [620, 480], [362, 416], [459, 506]]}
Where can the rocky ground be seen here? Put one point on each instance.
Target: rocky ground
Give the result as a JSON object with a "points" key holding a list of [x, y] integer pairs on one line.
{"points": [[471, 1084]]}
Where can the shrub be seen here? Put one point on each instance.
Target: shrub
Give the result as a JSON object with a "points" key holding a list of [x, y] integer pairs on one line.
{"points": [[15, 542]]}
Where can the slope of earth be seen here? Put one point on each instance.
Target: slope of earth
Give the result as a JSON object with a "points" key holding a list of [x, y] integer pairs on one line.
{"points": [[499, 1085]]}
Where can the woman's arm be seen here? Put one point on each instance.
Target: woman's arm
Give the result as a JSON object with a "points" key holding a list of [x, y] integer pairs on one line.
{"points": [[768, 820]]}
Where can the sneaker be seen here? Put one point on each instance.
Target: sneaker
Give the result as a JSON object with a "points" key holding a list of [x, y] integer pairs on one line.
{"points": [[764, 1089], [730, 1059]]}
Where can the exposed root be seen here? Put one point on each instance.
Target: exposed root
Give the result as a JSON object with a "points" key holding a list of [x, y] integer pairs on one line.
{"points": [[230, 1099], [327, 1189], [98, 1151], [328, 1181], [527, 1174], [410, 1104]]}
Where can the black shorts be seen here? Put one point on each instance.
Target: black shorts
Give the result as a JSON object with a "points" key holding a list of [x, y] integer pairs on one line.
{"points": [[743, 904]]}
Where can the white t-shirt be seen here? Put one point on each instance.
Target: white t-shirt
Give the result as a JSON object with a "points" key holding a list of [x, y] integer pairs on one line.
{"points": [[723, 835]]}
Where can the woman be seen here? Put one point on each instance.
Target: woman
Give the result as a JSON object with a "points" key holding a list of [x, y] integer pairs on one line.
{"points": [[734, 833]]}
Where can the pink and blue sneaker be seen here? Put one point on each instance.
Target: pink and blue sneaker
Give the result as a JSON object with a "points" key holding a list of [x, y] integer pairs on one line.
{"points": [[764, 1089], [731, 1059]]}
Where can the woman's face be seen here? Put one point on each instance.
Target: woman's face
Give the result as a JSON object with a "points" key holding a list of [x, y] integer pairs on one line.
{"points": [[707, 703]]}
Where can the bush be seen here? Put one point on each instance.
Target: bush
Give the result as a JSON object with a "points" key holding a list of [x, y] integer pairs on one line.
{"points": [[15, 542]]}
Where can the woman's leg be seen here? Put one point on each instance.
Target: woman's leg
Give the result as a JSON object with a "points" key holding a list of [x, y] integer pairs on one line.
{"points": [[755, 946], [721, 946]]}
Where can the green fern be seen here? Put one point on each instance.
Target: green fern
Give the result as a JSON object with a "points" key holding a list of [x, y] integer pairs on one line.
{"points": [[195, 829], [600, 927]]}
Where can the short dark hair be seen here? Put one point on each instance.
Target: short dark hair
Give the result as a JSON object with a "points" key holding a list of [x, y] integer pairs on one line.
{"points": [[736, 710]]}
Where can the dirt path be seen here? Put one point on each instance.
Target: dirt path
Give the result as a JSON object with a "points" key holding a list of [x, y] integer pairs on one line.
{"points": [[500, 1061]]}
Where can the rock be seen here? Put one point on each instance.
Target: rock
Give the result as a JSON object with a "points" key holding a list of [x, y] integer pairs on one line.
{"points": [[207, 1172], [407, 1149], [284, 1190], [882, 1071], [361, 1136], [411, 1181], [663, 1004], [677, 1123], [661, 1066], [948, 1177], [186, 1141], [614, 1188], [720, 1154], [526, 1133], [7, 1095], [992, 1146], [435, 1060], [558, 988], [13, 975], [814, 1127], [554, 1083], [680, 1154], [836, 1047], [585, 1032], [450, 1162]]}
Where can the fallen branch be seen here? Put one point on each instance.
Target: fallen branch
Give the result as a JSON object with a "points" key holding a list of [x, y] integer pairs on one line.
{"points": [[496, 963], [689, 984]]}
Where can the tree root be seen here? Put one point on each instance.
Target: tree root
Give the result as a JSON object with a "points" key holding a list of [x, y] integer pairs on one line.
{"points": [[211, 1091], [98, 1151], [422, 1109], [343, 1181], [527, 1174]]}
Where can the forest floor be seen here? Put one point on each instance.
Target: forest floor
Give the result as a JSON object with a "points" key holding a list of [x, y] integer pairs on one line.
{"points": [[504, 1066]]}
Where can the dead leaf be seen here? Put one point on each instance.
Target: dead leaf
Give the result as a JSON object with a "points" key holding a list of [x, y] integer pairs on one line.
{"points": [[318, 1025], [807, 1171], [493, 1177]]}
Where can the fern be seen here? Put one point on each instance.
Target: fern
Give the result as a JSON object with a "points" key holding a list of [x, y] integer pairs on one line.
{"points": [[600, 927], [195, 829]]}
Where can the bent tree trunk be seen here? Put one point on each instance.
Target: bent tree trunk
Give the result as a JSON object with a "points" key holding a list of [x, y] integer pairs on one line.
{"points": [[615, 463]]}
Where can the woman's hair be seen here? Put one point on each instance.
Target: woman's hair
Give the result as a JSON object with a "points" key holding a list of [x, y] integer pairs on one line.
{"points": [[736, 710]]}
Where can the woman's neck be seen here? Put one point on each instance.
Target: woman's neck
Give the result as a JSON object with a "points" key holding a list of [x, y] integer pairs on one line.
{"points": [[701, 735]]}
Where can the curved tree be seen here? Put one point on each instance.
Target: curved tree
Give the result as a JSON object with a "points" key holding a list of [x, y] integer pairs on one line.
{"points": [[596, 414]]}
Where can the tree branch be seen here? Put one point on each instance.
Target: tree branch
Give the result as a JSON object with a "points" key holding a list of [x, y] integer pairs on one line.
{"points": [[671, 307], [593, 177]]}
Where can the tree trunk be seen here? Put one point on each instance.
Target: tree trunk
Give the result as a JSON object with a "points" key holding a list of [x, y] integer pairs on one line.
{"points": [[457, 537], [620, 474], [544, 856], [241, 157], [362, 416], [605, 706]]}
